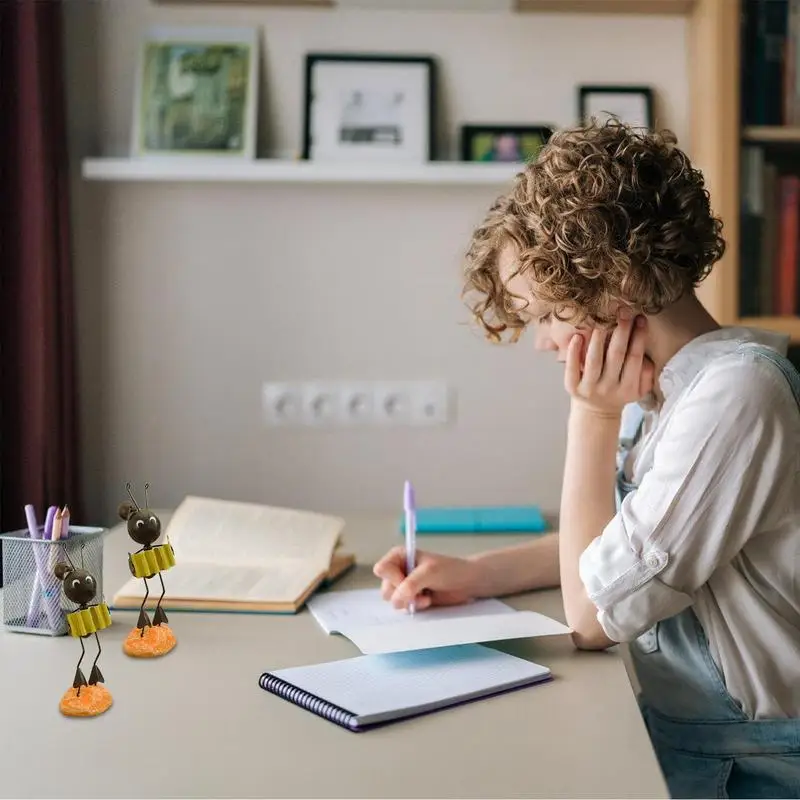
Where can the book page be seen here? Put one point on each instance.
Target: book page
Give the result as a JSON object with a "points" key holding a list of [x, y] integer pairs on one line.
{"points": [[335, 611], [420, 634], [226, 532], [281, 581]]}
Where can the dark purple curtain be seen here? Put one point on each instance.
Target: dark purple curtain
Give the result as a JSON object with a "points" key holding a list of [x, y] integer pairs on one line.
{"points": [[39, 458]]}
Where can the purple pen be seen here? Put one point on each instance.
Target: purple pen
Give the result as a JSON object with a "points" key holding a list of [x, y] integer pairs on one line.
{"points": [[409, 506], [35, 599], [48, 522], [33, 526], [52, 606]]}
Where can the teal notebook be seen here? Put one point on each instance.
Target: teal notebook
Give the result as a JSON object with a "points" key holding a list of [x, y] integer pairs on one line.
{"points": [[366, 691], [479, 519]]}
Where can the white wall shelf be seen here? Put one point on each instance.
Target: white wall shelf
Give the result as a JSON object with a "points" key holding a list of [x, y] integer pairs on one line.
{"points": [[195, 170], [553, 6]]}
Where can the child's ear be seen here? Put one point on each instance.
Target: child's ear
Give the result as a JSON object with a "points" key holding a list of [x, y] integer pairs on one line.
{"points": [[125, 509]]}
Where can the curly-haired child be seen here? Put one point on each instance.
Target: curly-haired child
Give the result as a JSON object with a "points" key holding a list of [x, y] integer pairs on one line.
{"points": [[680, 511]]}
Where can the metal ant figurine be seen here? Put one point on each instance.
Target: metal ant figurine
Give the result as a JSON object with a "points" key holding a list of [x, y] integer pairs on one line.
{"points": [[144, 528], [80, 587]]}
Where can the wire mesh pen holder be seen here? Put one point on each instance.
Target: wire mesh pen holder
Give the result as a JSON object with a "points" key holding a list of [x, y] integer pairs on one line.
{"points": [[33, 600]]}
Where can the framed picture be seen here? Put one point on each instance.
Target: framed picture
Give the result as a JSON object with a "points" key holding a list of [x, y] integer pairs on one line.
{"points": [[369, 108], [632, 105], [509, 143], [197, 93]]}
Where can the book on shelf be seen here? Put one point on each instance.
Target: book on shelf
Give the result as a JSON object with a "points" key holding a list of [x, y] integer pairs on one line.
{"points": [[770, 62], [243, 557], [770, 237]]}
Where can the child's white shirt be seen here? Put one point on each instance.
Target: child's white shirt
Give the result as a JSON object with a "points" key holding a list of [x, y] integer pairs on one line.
{"points": [[715, 521]]}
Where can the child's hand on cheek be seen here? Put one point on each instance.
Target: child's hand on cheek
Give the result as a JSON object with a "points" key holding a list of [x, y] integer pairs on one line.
{"points": [[606, 378]]}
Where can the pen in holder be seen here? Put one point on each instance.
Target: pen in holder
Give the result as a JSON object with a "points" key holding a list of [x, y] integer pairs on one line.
{"points": [[33, 601]]}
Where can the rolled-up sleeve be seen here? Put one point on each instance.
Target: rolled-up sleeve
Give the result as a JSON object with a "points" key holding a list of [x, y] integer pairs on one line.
{"points": [[727, 452]]}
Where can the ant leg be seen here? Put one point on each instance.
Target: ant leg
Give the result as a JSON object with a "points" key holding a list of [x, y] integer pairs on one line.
{"points": [[159, 615], [144, 620], [95, 676], [79, 680]]}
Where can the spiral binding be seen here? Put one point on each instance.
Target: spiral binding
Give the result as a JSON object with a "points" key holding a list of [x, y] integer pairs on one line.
{"points": [[300, 697]]}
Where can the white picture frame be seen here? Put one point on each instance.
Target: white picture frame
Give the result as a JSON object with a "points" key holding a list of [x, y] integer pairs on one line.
{"points": [[184, 107], [632, 105], [369, 108]]}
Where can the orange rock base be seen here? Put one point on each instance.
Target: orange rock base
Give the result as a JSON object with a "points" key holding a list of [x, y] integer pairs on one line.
{"points": [[158, 640], [91, 702]]}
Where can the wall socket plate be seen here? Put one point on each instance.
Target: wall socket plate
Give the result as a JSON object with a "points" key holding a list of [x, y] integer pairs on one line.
{"points": [[392, 404], [431, 404], [320, 404], [348, 404], [283, 404], [357, 404]]}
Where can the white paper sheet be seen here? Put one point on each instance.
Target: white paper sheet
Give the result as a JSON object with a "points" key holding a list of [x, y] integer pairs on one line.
{"points": [[337, 611], [421, 635], [375, 627]]}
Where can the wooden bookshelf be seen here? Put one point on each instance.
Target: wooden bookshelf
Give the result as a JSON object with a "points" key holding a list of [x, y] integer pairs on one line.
{"points": [[665, 7], [760, 263], [714, 139], [771, 133], [789, 326]]}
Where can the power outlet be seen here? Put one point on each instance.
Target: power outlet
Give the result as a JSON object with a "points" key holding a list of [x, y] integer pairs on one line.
{"points": [[357, 404], [430, 404], [392, 404], [321, 404], [396, 403], [282, 403]]}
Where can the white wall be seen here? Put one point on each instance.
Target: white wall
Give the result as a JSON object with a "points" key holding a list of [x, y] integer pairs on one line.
{"points": [[191, 296]]}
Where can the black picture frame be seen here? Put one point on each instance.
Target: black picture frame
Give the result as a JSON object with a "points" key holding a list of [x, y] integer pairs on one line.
{"points": [[313, 60], [472, 132], [645, 92]]}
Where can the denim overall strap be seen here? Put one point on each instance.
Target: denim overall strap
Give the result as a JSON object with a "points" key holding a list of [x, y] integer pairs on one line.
{"points": [[629, 432], [781, 362], [706, 745]]}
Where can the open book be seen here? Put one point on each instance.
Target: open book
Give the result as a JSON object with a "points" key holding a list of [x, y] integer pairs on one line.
{"points": [[233, 556]]}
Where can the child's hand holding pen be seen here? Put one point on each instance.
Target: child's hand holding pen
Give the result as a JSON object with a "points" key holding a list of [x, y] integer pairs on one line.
{"points": [[436, 580]]}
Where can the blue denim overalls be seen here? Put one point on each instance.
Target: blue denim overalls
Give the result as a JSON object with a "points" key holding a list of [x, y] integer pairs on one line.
{"points": [[706, 746]]}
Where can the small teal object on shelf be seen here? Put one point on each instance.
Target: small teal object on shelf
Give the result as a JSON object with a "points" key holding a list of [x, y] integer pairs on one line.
{"points": [[480, 519]]}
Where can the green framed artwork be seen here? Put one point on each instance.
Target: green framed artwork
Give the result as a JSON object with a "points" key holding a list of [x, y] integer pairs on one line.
{"points": [[504, 143], [197, 93]]}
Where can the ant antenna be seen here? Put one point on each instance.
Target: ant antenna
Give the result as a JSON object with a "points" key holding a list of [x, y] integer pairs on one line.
{"points": [[146, 501], [130, 494], [83, 566], [66, 555]]}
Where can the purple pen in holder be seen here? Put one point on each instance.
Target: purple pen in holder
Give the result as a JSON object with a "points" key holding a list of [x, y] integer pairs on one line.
{"points": [[32, 598]]}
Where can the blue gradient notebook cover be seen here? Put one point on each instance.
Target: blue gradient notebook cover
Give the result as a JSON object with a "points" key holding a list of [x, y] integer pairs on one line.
{"points": [[366, 691]]}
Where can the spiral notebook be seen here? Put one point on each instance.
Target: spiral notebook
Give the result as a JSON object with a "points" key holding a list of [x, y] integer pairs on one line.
{"points": [[363, 692]]}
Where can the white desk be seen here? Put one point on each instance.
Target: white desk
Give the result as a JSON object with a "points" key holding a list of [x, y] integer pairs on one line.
{"points": [[196, 724]]}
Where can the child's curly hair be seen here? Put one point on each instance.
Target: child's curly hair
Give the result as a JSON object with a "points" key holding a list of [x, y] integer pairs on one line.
{"points": [[604, 214]]}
